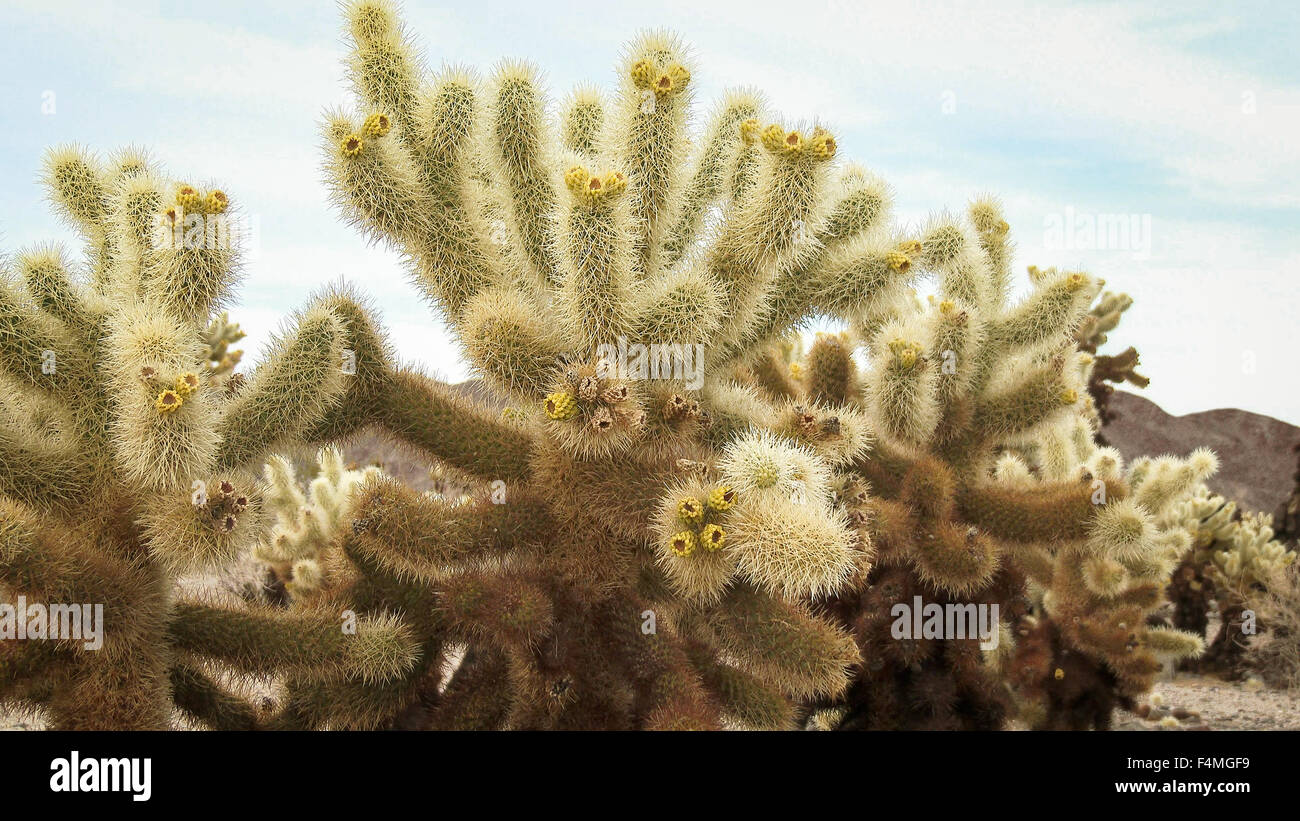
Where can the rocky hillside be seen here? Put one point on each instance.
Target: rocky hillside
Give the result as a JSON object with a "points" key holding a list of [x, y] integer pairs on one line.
{"points": [[1255, 451]]}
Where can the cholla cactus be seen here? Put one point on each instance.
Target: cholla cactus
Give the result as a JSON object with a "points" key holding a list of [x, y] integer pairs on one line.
{"points": [[1104, 368], [977, 494], [1232, 560], [297, 547], [661, 532], [123, 466], [220, 362]]}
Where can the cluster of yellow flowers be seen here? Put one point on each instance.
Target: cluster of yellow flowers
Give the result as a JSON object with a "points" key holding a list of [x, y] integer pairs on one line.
{"points": [[702, 532]]}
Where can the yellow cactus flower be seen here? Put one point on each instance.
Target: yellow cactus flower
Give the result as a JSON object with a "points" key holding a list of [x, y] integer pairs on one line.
{"points": [[576, 178], [713, 537], [749, 130], [216, 202], [1069, 396], [773, 137], [615, 183], [643, 72], [664, 85], [947, 307], [169, 401], [376, 125], [898, 261], [793, 143], [680, 75], [351, 145], [187, 384], [822, 145], [796, 370], [683, 544], [1059, 674], [561, 406], [722, 498], [187, 197], [690, 510], [1076, 281], [907, 353]]}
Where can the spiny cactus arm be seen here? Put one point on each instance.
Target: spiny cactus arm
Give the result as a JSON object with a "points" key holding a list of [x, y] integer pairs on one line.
{"points": [[512, 342], [772, 373], [310, 643], [782, 644], [991, 228], [519, 152], [207, 702], [831, 373], [596, 265], [1052, 311], [713, 163], [418, 538], [372, 181], [383, 63], [653, 99], [951, 251], [366, 366], [25, 665], [194, 262], [64, 566], [478, 696], [773, 224], [80, 190], [44, 272], [504, 608], [37, 351], [292, 389], [430, 417], [746, 700], [582, 121], [1042, 513], [1029, 401], [40, 473]]}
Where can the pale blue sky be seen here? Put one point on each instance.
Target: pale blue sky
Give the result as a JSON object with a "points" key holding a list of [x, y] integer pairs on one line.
{"points": [[1185, 115]]}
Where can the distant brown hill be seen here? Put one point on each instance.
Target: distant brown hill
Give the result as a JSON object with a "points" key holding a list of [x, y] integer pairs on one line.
{"points": [[1255, 456]]}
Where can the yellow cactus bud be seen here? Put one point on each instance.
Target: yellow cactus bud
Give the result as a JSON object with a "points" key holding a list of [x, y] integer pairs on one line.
{"points": [[216, 202], [822, 145], [187, 197], [1076, 281], [910, 247], [187, 384], [561, 405], [680, 75], [683, 544], [793, 143], [169, 401], [722, 498], [773, 137], [643, 72], [907, 353], [749, 131], [575, 179], [615, 183], [947, 307], [1069, 396], [713, 537], [376, 125], [1003, 227], [1059, 674], [351, 145], [664, 85], [690, 510], [898, 261]]}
